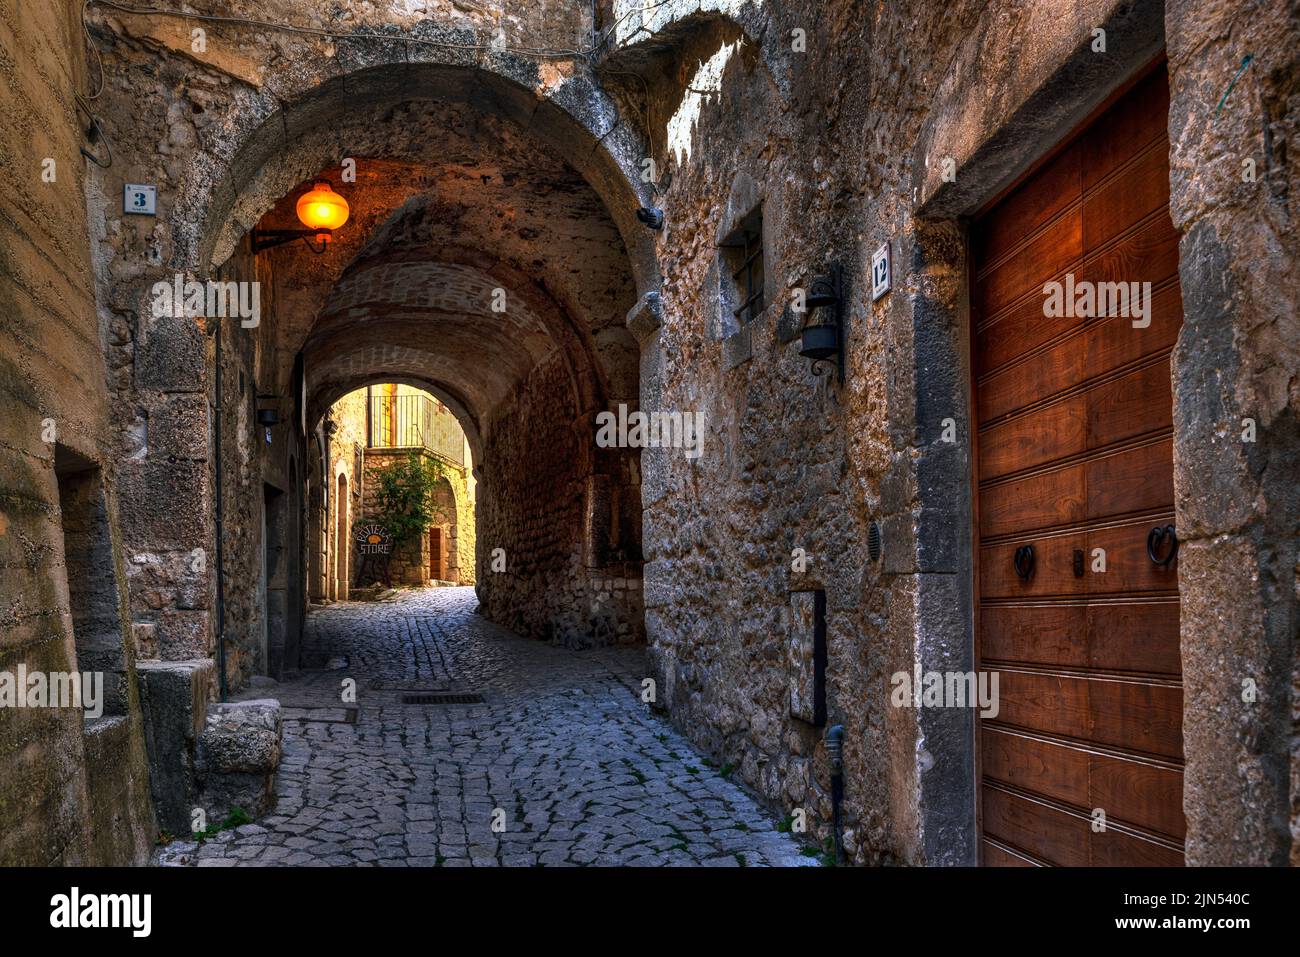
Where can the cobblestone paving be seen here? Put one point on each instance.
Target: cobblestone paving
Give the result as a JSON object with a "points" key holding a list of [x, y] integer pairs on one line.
{"points": [[562, 745]]}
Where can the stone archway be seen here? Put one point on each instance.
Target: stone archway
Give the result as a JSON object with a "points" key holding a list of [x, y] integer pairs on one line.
{"points": [[488, 171], [499, 279], [444, 562], [273, 141]]}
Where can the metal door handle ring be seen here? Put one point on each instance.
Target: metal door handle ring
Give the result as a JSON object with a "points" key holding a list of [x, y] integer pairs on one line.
{"points": [[1024, 561], [1156, 538]]}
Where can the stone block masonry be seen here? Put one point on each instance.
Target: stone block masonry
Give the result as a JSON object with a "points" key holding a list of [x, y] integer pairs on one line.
{"points": [[72, 790], [534, 493], [908, 123], [453, 517]]}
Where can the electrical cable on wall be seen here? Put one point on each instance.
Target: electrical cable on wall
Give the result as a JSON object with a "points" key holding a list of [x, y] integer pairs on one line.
{"points": [[94, 133]]}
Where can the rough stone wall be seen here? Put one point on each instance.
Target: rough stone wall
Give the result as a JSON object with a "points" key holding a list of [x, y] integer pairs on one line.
{"points": [[1238, 359], [242, 500], [843, 147], [453, 513], [257, 495], [839, 167], [792, 461], [81, 796], [533, 485], [531, 508], [317, 536]]}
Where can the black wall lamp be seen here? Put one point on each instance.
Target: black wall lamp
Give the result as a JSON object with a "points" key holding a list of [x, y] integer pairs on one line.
{"points": [[822, 339], [267, 418], [651, 216], [270, 238]]}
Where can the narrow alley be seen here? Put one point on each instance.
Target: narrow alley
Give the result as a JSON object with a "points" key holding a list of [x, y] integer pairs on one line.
{"points": [[829, 439], [561, 744]]}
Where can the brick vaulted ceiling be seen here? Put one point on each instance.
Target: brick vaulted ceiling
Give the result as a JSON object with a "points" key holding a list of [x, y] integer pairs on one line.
{"points": [[449, 204]]}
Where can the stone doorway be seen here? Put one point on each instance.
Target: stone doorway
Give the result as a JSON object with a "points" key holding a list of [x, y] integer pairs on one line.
{"points": [[435, 554]]}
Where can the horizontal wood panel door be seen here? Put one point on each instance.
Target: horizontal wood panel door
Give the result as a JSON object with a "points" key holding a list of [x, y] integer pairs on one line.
{"points": [[1074, 457]]}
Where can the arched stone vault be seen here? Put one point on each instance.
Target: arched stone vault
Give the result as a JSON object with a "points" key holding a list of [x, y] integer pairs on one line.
{"points": [[444, 300], [279, 136], [389, 364], [477, 185], [436, 181], [432, 315]]}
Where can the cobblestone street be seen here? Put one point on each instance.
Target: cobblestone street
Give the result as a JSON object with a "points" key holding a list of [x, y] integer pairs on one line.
{"points": [[562, 745]]}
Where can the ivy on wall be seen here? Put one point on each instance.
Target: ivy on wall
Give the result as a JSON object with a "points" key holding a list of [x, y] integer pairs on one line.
{"points": [[404, 494]]}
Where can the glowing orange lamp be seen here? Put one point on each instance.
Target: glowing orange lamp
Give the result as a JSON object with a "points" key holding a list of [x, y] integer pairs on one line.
{"points": [[320, 209]]}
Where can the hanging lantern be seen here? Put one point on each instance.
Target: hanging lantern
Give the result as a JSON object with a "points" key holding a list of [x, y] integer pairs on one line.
{"points": [[322, 208], [823, 341]]}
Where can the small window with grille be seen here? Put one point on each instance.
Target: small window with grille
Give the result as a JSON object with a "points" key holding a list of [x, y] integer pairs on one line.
{"points": [[742, 262]]}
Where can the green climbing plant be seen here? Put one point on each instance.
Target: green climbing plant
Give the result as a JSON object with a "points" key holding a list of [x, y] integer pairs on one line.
{"points": [[404, 496]]}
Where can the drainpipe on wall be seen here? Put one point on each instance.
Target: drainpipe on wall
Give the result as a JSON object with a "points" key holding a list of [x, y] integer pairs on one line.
{"points": [[835, 753], [221, 584]]}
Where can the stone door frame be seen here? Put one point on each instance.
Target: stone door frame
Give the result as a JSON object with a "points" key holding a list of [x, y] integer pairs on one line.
{"points": [[1003, 153]]}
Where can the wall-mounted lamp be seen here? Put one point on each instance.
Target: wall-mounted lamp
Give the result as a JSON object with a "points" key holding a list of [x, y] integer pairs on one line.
{"points": [[267, 418], [651, 216], [822, 339], [320, 209]]}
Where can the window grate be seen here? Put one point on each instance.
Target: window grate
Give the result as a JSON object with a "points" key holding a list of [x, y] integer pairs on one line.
{"points": [[749, 277], [743, 257]]}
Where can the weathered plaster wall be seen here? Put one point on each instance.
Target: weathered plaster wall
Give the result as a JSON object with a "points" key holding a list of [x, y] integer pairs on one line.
{"points": [[72, 791], [465, 519]]}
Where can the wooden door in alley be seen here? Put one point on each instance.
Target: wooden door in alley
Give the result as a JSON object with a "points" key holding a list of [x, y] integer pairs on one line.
{"points": [[435, 554], [1083, 764]]}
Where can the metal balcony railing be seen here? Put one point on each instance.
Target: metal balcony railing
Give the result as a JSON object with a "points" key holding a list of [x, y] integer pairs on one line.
{"points": [[413, 422]]}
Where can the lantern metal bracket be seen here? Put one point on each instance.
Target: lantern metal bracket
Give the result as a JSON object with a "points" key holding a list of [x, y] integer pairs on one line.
{"points": [[270, 238], [824, 341]]}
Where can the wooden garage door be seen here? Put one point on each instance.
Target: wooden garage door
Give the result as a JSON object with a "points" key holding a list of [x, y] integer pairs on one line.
{"points": [[1074, 455]]}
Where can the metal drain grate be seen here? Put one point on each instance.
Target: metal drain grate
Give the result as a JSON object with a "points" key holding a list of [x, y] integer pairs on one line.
{"points": [[434, 697]]}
